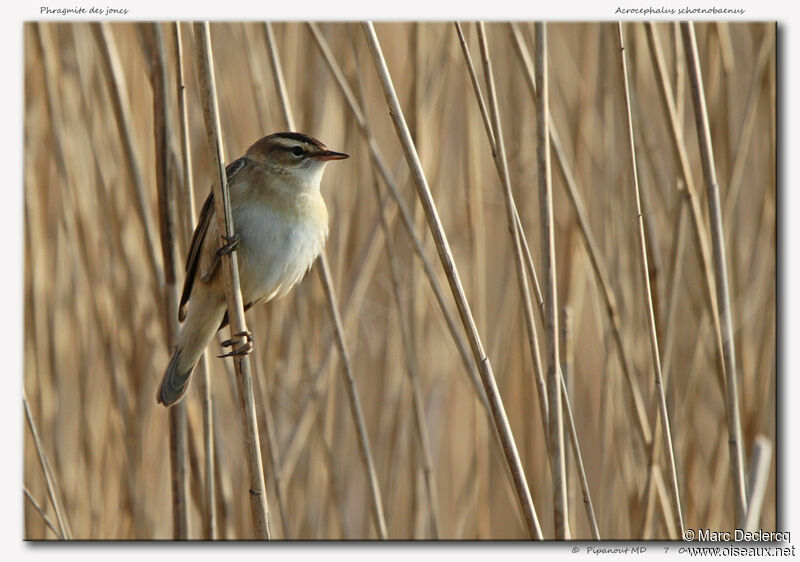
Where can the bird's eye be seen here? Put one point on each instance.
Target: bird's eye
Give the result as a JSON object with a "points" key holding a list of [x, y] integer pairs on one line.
{"points": [[297, 151]]}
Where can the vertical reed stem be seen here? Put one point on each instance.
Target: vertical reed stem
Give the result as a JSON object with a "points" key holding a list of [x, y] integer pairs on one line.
{"points": [[448, 263], [556, 423], [720, 269], [167, 228], [757, 481], [230, 269], [187, 192], [327, 284], [50, 480], [494, 132], [115, 80], [648, 292]]}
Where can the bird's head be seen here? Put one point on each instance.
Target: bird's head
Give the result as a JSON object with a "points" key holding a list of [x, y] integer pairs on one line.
{"points": [[294, 157]]}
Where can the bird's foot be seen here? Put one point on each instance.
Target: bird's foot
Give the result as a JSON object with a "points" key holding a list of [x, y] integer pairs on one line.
{"points": [[246, 348], [231, 244]]}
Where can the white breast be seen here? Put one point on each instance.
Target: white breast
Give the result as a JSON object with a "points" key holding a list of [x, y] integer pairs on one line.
{"points": [[276, 250]]}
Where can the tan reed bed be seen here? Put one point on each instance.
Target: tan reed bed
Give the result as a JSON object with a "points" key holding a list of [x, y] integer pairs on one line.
{"points": [[97, 320]]}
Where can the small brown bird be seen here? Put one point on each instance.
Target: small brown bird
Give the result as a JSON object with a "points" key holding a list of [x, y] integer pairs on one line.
{"points": [[280, 223]]}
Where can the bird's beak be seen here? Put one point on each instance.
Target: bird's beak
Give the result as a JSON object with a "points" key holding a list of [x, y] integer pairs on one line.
{"points": [[331, 155]]}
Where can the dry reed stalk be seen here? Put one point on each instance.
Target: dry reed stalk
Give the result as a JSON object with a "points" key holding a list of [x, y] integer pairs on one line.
{"points": [[188, 221], [654, 260], [566, 366], [721, 272], [478, 464], [757, 481], [475, 214], [434, 223], [39, 509], [687, 192], [208, 96], [482, 463], [335, 494], [115, 81], [412, 315], [333, 308], [746, 131], [420, 425], [277, 76], [71, 220], [518, 238], [676, 269], [473, 77], [167, 228], [595, 259], [655, 356], [573, 436], [222, 483], [502, 169], [679, 146], [380, 164], [487, 123], [556, 423], [50, 480], [566, 375], [268, 430], [75, 227], [355, 406]]}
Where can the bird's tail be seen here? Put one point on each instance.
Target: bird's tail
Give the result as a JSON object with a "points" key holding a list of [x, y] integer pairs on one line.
{"points": [[196, 333], [176, 380]]}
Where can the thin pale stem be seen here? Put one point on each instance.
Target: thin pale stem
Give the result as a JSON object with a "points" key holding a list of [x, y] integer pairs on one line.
{"points": [[523, 262], [230, 269], [333, 307], [487, 124], [592, 249], [188, 206], [746, 131], [380, 165], [52, 490], [420, 425], [277, 75], [448, 263], [720, 269], [115, 80], [39, 509], [556, 423], [573, 436], [167, 229], [654, 354], [757, 481], [679, 146]]}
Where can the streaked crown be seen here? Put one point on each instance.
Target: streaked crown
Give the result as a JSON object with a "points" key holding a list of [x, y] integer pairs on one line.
{"points": [[291, 148]]}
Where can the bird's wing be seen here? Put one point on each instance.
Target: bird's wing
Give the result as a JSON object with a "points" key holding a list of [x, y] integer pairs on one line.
{"points": [[203, 222]]}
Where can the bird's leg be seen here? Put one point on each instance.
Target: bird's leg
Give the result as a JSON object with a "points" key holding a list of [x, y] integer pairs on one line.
{"points": [[231, 244], [245, 349]]}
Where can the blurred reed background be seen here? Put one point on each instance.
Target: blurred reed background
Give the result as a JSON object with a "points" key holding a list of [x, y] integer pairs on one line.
{"points": [[96, 340]]}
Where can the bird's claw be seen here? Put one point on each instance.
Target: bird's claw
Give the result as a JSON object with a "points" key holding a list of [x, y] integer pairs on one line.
{"points": [[231, 244], [246, 335], [245, 349]]}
